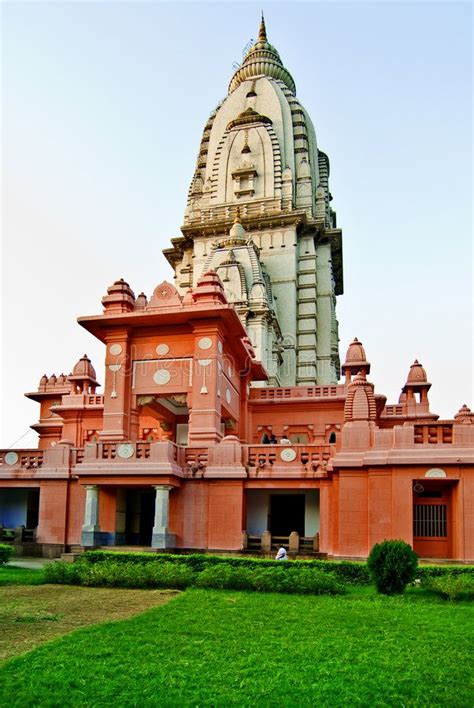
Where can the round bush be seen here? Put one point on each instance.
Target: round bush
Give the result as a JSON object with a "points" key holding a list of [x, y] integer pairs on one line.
{"points": [[392, 565], [6, 553]]}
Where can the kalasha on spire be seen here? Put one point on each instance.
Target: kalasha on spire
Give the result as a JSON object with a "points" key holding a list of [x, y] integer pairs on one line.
{"points": [[262, 59]]}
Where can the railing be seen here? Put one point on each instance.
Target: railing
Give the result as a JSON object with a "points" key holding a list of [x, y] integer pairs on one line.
{"points": [[392, 410], [93, 400], [433, 434], [194, 460], [278, 393], [27, 459], [77, 456], [108, 451], [267, 543], [309, 457]]}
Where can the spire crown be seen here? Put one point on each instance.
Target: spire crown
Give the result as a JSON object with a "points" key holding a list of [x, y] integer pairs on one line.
{"points": [[262, 59], [262, 33]]}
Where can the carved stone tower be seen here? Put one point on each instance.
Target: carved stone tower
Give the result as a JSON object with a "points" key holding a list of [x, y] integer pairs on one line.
{"points": [[259, 214]]}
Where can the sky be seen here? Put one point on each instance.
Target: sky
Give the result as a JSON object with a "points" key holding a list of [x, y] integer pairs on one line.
{"points": [[103, 106]]}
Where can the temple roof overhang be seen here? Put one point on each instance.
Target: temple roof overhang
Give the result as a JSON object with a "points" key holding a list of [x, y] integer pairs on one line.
{"points": [[232, 328]]}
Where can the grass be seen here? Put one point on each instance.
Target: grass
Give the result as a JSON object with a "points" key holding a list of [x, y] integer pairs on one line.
{"points": [[237, 648], [30, 616], [9, 575]]}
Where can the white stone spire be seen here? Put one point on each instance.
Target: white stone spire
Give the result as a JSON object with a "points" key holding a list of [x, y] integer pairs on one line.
{"points": [[259, 165]]}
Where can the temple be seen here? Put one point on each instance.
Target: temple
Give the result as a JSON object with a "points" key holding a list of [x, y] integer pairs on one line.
{"points": [[224, 424]]}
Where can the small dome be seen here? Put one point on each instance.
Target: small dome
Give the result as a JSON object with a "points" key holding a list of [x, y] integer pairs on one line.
{"points": [[84, 369], [52, 379], [356, 358], [464, 415], [237, 231], [141, 302], [120, 287], [417, 374], [43, 380]]}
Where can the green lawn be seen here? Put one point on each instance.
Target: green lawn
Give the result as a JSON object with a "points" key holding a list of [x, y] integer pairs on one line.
{"points": [[234, 648], [9, 575]]}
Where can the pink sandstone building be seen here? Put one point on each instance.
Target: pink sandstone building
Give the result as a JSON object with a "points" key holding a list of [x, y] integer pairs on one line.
{"points": [[223, 425]]}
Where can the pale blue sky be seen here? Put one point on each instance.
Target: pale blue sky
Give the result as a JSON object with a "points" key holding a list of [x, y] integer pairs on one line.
{"points": [[103, 107]]}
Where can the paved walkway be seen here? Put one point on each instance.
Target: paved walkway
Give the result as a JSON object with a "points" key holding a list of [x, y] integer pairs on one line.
{"points": [[32, 563]]}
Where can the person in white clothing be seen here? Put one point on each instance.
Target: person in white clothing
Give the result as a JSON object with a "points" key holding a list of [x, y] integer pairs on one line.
{"points": [[281, 555]]}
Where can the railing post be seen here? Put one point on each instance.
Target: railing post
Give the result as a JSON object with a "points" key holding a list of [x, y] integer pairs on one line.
{"points": [[316, 542], [266, 542], [245, 541], [294, 542]]}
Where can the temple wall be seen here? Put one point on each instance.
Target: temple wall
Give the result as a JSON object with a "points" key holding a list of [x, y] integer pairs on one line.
{"points": [[52, 512]]}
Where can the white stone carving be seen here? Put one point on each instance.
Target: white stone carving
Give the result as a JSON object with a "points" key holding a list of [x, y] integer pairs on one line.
{"points": [[288, 454], [228, 396], [435, 472], [161, 377], [11, 458], [115, 349], [162, 349], [205, 343], [219, 347], [125, 450]]}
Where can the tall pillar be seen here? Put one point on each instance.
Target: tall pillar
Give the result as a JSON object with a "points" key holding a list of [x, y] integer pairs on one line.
{"points": [[204, 399], [161, 537], [90, 535]]}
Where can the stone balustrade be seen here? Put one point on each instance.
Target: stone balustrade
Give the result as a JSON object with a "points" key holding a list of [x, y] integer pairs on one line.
{"points": [[302, 460], [27, 459], [433, 433], [291, 392]]}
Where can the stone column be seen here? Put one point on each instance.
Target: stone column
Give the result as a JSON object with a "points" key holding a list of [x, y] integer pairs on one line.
{"points": [[90, 535], [161, 537]]}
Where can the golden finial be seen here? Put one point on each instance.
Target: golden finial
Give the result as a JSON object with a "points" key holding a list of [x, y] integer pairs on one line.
{"points": [[237, 216], [262, 33]]}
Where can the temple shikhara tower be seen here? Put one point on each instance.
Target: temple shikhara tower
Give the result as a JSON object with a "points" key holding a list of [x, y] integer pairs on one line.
{"points": [[223, 423], [259, 165]]}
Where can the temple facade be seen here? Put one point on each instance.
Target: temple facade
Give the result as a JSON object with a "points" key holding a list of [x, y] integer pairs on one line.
{"points": [[223, 424]]}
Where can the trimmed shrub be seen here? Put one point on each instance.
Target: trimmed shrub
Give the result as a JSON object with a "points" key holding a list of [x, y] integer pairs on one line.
{"points": [[392, 565], [452, 587], [346, 571], [6, 553], [270, 578], [424, 572], [120, 575], [62, 573]]}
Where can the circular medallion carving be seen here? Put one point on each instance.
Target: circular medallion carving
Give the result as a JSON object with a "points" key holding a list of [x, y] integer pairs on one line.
{"points": [[205, 343], [115, 349], [125, 450], [165, 291], [161, 377], [288, 454], [11, 458], [228, 396], [162, 349]]}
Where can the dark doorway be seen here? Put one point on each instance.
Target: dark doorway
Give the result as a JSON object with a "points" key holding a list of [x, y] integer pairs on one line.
{"points": [[140, 514], [287, 514], [32, 508]]}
